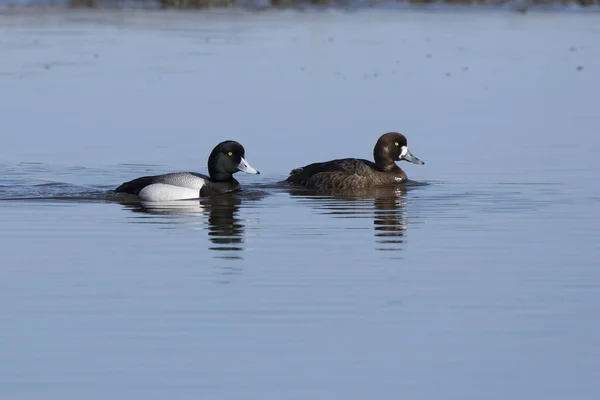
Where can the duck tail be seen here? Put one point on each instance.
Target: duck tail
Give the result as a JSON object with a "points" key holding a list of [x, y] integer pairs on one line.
{"points": [[294, 176]]}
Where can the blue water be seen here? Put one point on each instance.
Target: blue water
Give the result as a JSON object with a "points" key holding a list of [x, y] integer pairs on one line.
{"points": [[478, 280]]}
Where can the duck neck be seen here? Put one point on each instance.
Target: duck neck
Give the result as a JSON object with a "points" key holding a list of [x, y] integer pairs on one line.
{"points": [[383, 160], [216, 176], [385, 165]]}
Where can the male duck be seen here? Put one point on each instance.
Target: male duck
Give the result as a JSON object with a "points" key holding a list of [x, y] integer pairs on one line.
{"points": [[226, 159]]}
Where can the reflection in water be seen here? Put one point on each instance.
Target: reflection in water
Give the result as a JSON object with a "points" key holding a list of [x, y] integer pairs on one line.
{"points": [[226, 230], [390, 220], [386, 206]]}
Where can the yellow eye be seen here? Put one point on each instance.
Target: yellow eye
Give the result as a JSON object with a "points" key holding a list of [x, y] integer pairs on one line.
{"points": [[397, 144], [230, 154]]}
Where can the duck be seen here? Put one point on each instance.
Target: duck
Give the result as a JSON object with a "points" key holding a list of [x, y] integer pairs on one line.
{"points": [[354, 173], [226, 159]]}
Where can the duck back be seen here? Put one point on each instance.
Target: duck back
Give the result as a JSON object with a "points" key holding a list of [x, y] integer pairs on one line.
{"points": [[345, 173], [190, 180]]}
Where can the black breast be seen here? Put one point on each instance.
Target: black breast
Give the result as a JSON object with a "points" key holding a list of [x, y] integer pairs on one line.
{"points": [[214, 188]]}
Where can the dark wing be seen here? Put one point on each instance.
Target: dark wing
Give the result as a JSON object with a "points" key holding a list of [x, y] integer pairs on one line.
{"points": [[136, 185], [335, 174], [338, 180]]}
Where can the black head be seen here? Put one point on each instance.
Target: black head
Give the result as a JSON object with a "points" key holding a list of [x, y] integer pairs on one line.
{"points": [[392, 147], [226, 159]]}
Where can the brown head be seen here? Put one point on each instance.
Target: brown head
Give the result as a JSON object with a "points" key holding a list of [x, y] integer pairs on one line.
{"points": [[392, 147]]}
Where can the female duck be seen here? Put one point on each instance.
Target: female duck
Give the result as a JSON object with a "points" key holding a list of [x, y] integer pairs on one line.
{"points": [[225, 160], [353, 173]]}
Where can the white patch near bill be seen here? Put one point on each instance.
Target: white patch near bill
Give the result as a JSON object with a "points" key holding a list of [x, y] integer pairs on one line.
{"points": [[398, 179], [403, 151], [164, 192]]}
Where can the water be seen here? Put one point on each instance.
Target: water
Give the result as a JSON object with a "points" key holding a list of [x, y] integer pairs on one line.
{"points": [[478, 280]]}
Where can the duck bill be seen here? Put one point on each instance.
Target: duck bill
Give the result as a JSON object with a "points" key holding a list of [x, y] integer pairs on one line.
{"points": [[247, 168], [408, 156]]}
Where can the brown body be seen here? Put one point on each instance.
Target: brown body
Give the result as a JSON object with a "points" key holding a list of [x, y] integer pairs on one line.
{"points": [[353, 173], [346, 173]]}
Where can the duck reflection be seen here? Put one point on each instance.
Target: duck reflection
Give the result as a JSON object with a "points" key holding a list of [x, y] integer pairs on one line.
{"points": [[226, 230], [385, 205]]}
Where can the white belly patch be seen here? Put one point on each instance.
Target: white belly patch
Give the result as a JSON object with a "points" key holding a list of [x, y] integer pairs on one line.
{"points": [[164, 192]]}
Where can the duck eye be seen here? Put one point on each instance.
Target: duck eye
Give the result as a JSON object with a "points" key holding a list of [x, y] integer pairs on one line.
{"points": [[230, 154], [397, 144]]}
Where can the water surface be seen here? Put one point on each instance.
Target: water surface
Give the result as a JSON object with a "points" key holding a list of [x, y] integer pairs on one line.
{"points": [[478, 280]]}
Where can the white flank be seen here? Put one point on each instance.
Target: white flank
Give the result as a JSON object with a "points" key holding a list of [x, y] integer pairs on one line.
{"points": [[164, 192]]}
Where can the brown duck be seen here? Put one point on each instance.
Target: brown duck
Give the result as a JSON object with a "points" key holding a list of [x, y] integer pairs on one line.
{"points": [[354, 173]]}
